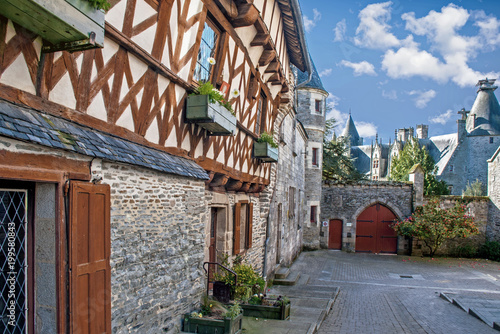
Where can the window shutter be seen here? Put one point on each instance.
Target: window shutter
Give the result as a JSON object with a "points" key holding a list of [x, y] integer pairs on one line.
{"points": [[236, 230], [90, 272], [250, 225]]}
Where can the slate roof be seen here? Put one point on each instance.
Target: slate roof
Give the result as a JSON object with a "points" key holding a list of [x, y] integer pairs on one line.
{"points": [[362, 156], [315, 80], [484, 117], [54, 132], [351, 132], [441, 149]]}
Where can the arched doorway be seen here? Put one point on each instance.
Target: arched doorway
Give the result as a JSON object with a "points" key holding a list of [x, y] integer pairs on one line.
{"points": [[335, 234], [373, 231]]}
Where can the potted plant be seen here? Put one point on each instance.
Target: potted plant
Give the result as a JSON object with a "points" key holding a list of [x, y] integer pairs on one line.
{"points": [[71, 25], [214, 318], [265, 148], [269, 307], [207, 108]]}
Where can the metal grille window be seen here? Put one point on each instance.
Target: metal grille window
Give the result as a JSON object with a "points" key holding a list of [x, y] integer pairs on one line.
{"points": [[206, 53], [13, 261]]}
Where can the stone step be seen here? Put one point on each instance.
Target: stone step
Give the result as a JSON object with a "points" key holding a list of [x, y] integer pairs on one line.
{"points": [[282, 273], [291, 279]]}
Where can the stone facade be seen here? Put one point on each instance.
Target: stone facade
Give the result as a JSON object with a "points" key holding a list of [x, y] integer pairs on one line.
{"points": [[347, 201], [493, 228]]}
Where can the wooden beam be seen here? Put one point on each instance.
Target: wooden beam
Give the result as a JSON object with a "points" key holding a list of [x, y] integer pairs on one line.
{"points": [[247, 15], [273, 67], [228, 7], [260, 39], [266, 57]]}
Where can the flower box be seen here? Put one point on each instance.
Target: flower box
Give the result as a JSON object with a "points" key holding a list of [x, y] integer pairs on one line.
{"points": [[211, 116], [265, 152], [212, 326], [281, 312], [70, 25]]}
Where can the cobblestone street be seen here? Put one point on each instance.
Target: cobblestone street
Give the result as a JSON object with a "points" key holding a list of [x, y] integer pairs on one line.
{"points": [[398, 294]]}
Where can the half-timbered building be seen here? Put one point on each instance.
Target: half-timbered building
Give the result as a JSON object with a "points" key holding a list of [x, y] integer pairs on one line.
{"points": [[111, 196]]}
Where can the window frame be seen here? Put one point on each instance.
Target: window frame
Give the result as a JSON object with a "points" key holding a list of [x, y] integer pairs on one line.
{"points": [[314, 158], [260, 120], [214, 70], [317, 106], [237, 230], [313, 213]]}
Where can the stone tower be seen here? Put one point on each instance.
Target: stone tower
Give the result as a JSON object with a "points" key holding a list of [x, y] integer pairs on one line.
{"points": [[311, 112]]}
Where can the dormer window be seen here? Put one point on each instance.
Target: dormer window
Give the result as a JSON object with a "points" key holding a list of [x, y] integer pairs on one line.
{"points": [[317, 106]]}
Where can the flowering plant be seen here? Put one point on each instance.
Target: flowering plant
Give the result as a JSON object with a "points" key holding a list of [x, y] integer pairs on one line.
{"points": [[214, 95], [433, 224], [266, 137]]}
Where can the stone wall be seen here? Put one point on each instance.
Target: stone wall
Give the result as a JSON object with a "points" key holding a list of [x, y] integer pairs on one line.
{"points": [[157, 246], [347, 201], [493, 228]]}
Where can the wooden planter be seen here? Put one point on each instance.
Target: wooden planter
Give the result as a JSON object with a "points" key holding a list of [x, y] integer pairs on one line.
{"points": [[265, 152], [212, 326], [211, 116], [268, 312], [70, 25]]}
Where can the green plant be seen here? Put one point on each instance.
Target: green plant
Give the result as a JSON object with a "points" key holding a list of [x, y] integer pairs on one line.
{"points": [[233, 311], [214, 95], [211, 306], [464, 251], [100, 4], [433, 224], [489, 250], [266, 137], [282, 300], [474, 189]]}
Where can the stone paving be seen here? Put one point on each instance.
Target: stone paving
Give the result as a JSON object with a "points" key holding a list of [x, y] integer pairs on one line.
{"points": [[396, 294]]}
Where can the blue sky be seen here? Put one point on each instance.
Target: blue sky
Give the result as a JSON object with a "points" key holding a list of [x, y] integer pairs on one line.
{"points": [[401, 63]]}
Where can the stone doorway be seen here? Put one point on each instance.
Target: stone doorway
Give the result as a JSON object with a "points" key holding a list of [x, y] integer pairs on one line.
{"points": [[373, 231]]}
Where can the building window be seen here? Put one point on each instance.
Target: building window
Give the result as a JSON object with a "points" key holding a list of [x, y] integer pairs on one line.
{"points": [[315, 157], [375, 163], [243, 226], [450, 188], [291, 202], [375, 177], [207, 52], [491, 140], [451, 168], [260, 122], [317, 106], [314, 212]]}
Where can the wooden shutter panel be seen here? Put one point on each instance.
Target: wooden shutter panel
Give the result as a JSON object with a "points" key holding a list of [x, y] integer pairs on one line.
{"points": [[236, 230], [90, 272], [250, 225]]}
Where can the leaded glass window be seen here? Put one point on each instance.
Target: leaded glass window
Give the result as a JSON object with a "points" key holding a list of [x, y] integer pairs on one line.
{"points": [[206, 54]]}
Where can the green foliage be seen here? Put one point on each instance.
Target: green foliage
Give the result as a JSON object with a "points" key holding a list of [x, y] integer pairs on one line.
{"points": [[266, 137], [249, 281], [474, 189], [433, 224], [233, 311], [411, 155], [490, 250], [282, 300], [214, 95], [337, 163], [100, 4], [210, 306], [464, 251]]}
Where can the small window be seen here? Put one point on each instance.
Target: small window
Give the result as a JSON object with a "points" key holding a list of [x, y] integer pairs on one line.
{"points": [[291, 202], [260, 123], [375, 178], [206, 58], [491, 140], [314, 210], [450, 188], [315, 156], [375, 164], [317, 106], [243, 226], [451, 168]]}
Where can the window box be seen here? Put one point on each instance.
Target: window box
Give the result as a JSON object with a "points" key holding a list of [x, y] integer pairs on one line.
{"points": [[281, 312], [265, 152], [70, 25], [213, 326], [211, 116]]}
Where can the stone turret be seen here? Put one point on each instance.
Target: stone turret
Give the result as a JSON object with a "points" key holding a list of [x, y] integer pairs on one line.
{"points": [[484, 117]]}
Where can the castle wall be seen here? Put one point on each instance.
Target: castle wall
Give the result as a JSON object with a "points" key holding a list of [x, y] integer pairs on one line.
{"points": [[493, 228]]}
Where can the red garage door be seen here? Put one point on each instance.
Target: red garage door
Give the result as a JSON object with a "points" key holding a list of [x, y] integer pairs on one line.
{"points": [[373, 231]]}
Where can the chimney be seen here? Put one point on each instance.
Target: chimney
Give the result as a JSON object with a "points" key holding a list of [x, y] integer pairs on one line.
{"points": [[422, 131]]}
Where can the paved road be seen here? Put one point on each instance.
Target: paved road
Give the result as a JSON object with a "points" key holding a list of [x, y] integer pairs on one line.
{"points": [[398, 294]]}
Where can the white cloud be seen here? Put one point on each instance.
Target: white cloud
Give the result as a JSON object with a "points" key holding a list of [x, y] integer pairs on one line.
{"points": [[340, 30], [325, 72], [365, 129], [373, 30], [360, 68], [422, 97], [310, 24], [488, 29], [442, 118], [391, 95]]}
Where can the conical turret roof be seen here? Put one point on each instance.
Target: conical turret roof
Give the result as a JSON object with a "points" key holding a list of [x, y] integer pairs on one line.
{"points": [[484, 117], [351, 132], [315, 80]]}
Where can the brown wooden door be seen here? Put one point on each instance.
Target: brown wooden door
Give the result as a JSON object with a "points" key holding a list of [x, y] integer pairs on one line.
{"points": [[335, 234], [373, 231], [90, 273]]}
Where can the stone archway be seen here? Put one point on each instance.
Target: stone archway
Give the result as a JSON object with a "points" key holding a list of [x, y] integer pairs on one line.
{"points": [[373, 231]]}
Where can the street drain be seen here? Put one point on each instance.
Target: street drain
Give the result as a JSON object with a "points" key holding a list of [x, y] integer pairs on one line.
{"points": [[405, 276]]}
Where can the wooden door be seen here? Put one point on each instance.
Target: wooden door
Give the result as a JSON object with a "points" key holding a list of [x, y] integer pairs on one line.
{"points": [[335, 234], [90, 273], [373, 231], [212, 248]]}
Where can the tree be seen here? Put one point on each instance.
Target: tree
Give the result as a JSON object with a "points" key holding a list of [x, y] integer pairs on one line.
{"points": [[337, 164], [474, 189], [434, 225], [412, 154]]}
